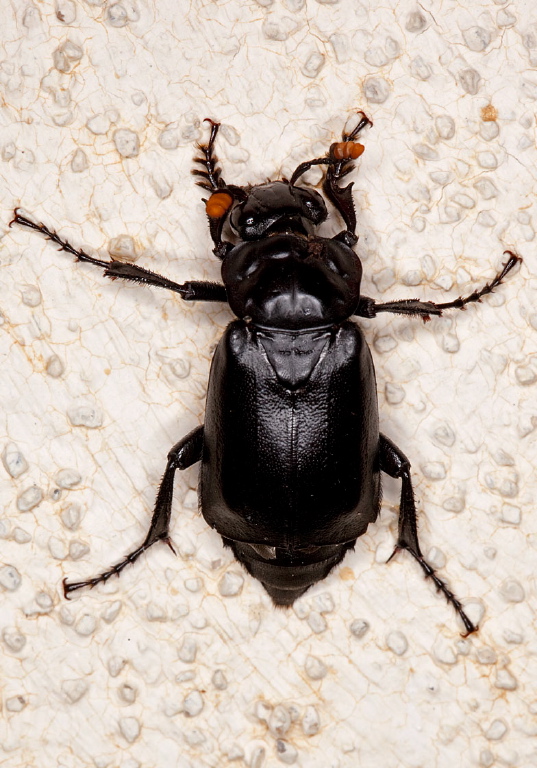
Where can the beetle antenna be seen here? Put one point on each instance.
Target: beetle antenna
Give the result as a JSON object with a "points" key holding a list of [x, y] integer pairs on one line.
{"points": [[211, 173], [340, 153]]}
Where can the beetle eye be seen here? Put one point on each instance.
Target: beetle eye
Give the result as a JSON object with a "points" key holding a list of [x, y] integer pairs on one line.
{"points": [[250, 221]]}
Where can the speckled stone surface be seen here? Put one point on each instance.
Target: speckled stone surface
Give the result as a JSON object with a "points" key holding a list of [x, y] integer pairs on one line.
{"points": [[184, 662]]}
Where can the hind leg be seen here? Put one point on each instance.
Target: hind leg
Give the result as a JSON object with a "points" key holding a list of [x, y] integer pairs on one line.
{"points": [[395, 463], [185, 453]]}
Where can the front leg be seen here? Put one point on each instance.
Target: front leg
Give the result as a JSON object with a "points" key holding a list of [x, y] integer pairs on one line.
{"points": [[369, 308], [341, 155], [394, 462], [185, 453], [189, 291]]}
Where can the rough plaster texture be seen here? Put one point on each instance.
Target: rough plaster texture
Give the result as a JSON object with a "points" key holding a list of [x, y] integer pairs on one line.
{"points": [[184, 661]]}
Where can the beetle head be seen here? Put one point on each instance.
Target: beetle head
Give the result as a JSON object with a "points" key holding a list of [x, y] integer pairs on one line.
{"points": [[277, 207]]}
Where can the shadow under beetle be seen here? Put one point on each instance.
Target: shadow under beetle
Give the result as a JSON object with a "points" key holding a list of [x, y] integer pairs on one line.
{"points": [[290, 451]]}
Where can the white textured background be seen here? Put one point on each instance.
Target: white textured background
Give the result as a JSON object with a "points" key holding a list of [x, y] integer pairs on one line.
{"points": [[101, 106]]}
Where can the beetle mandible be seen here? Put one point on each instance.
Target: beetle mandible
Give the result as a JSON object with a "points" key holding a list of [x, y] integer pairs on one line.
{"points": [[290, 450]]}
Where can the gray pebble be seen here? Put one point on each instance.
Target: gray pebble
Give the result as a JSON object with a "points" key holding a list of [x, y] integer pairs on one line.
{"points": [[425, 152], [115, 665], [188, 650], [13, 639], [71, 516], [16, 703], [117, 16], [130, 728], [219, 680], [74, 690], [279, 721], [78, 549], [315, 668], [54, 367], [434, 470], [65, 11], [496, 730], [505, 681], [317, 622], [111, 611], [476, 38], [311, 722], [286, 752], [67, 478], [415, 22], [86, 625], [470, 80], [512, 591], [487, 160], [127, 142], [359, 628], [14, 462], [85, 416], [394, 393], [193, 704], [230, 584], [376, 90], [29, 498], [324, 602], [397, 643], [127, 693], [257, 758], [313, 65]]}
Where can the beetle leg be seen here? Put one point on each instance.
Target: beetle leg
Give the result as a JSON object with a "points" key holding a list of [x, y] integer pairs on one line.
{"points": [[194, 290], [340, 197], [340, 166], [185, 453], [394, 462], [369, 308]]}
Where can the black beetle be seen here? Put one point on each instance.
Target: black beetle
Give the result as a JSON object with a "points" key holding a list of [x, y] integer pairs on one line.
{"points": [[290, 451]]}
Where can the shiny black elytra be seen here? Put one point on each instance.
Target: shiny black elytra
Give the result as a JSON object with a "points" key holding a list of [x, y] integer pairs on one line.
{"points": [[290, 451]]}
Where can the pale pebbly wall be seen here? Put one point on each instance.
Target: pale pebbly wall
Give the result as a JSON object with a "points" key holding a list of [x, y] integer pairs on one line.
{"points": [[183, 661]]}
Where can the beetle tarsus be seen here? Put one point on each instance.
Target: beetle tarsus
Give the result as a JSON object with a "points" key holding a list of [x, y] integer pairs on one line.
{"points": [[442, 587], [476, 296], [50, 234], [369, 308], [115, 570]]}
